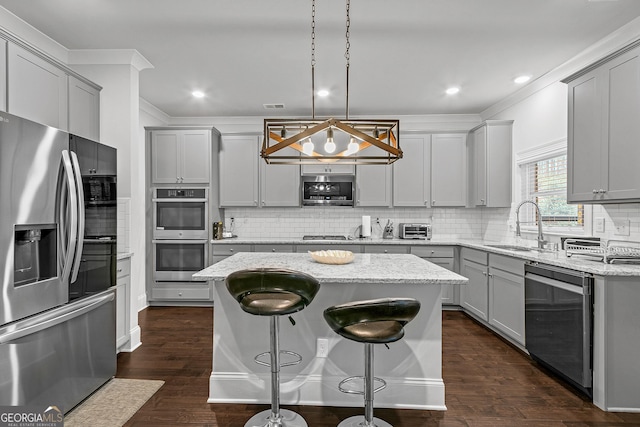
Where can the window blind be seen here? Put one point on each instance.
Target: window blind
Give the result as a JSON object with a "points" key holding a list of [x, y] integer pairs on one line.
{"points": [[545, 182]]}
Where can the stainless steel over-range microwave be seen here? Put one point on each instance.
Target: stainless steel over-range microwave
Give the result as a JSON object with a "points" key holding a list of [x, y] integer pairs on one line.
{"points": [[328, 190]]}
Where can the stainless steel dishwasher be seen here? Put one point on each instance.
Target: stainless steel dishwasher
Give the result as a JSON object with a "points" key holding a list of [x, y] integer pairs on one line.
{"points": [[559, 322]]}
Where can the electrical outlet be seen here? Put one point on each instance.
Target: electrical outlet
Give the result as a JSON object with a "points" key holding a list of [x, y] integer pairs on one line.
{"points": [[622, 227], [599, 225], [322, 347]]}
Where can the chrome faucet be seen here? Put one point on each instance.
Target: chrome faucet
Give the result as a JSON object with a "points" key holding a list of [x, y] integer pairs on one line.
{"points": [[541, 241]]}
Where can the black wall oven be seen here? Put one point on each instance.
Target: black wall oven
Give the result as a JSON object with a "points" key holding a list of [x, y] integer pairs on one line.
{"points": [[559, 322], [180, 213]]}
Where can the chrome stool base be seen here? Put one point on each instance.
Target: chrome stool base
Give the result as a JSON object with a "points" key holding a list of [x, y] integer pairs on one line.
{"points": [[359, 421], [287, 419]]}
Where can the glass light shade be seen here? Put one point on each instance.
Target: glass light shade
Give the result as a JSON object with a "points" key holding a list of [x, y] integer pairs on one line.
{"points": [[307, 147], [329, 146], [353, 146]]}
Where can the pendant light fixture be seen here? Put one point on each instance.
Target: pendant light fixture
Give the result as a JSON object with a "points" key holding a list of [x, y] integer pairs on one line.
{"points": [[372, 141]]}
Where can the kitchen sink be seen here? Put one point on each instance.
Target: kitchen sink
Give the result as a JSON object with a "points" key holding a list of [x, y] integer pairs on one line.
{"points": [[514, 248]]}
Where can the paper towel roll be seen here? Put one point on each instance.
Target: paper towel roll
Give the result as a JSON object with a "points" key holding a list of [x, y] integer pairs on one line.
{"points": [[366, 226]]}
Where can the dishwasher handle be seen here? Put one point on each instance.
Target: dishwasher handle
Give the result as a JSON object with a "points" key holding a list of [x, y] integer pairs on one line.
{"points": [[556, 283]]}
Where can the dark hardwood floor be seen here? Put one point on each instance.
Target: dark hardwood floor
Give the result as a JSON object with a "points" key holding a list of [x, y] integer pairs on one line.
{"points": [[488, 382]]}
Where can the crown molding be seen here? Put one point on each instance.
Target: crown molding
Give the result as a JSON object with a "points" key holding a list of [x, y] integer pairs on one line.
{"points": [[109, 57], [150, 109], [606, 46]]}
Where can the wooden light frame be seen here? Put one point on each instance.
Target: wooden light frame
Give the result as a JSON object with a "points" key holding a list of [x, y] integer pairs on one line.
{"points": [[383, 150]]}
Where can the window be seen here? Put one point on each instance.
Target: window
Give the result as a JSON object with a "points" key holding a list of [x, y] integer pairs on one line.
{"points": [[545, 182]]}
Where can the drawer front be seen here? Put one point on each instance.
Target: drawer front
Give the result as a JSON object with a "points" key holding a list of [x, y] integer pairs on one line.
{"points": [[123, 267], [508, 264], [432, 251], [474, 255], [175, 293], [230, 249], [384, 249], [273, 248], [320, 247]]}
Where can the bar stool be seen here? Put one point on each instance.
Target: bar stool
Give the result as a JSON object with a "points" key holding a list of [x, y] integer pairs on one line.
{"points": [[273, 292], [377, 321]]}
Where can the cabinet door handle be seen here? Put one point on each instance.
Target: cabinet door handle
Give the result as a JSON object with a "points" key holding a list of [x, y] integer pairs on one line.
{"points": [[433, 202], [594, 191], [119, 270], [484, 273], [230, 250], [273, 250]]}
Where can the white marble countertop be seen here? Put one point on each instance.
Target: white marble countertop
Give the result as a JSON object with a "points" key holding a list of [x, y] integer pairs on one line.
{"points": [[365, 268], [124, 255], [576, 262]]}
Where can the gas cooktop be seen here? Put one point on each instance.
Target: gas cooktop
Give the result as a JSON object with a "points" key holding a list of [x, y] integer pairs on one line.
{"points": [[323, 237]]}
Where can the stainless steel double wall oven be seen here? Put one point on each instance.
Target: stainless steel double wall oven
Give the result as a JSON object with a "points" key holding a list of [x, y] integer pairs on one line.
{"points": [[180, 233]]}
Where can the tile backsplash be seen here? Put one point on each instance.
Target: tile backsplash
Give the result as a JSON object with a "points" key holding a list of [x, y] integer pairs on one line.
{"points": [[124, 224], [451, 223], [494, 224]]}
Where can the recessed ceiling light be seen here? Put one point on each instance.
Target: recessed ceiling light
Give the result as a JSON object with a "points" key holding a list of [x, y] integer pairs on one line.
{"points": [[453, 90], [197, 94], [323, 93], [521, 79]]}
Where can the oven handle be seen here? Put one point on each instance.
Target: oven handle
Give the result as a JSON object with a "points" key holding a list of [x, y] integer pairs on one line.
{"points": [[555, 283], [180, 200], [187, 241]]}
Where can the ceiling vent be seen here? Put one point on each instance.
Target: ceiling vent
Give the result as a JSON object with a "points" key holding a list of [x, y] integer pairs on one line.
{"points": [[273, 106]]}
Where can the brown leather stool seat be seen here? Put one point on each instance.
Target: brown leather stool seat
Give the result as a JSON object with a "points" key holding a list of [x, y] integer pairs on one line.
{"points": [[377, 321], [273, 292]]}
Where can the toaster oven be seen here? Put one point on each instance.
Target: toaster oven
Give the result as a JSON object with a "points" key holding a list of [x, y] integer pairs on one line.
{"points": [[415, 231]]}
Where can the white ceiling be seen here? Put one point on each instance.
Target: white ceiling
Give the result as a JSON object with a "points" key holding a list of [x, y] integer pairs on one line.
{"points": [[404, 53]]}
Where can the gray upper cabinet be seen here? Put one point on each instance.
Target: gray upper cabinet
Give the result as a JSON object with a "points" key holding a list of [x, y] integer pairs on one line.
{"points": [[181, 156], [489, 154], [3, 75], [373, 185], [411, 174], [30, 79], [602, 144], [448, 170], [280, 184], [238, 181], [84, 109]]}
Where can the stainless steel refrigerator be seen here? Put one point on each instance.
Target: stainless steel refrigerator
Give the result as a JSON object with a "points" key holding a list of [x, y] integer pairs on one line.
{"points": [[53, 350]]}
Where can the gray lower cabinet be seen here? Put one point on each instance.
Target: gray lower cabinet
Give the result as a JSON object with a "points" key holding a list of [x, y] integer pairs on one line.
{"points": [[444, 256], [320, 247], [385, 249], [506, 296], [220, 252], [474, 295], [123, 301]]}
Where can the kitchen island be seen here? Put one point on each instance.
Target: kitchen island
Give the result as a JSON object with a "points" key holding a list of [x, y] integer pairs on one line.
{"points": [[412, 367]]}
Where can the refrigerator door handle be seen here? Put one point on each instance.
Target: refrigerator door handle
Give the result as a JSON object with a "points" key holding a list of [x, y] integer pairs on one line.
{"points": [[69, 253], [81, 217], [54, 317]]}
